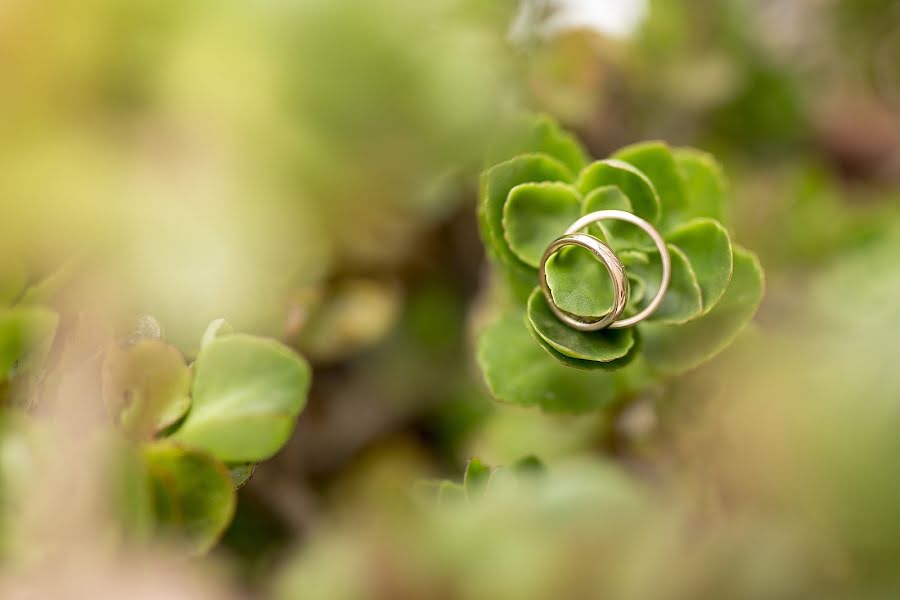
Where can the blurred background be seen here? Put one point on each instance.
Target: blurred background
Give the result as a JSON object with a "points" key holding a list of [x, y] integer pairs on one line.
{"points": [[308, 170]]}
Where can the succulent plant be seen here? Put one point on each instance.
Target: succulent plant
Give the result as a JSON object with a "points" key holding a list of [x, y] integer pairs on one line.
{"points": [[529, 200]]}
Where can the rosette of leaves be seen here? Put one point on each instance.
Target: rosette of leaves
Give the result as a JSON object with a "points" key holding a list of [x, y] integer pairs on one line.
{"points": [[198, 429], [529, 200]]}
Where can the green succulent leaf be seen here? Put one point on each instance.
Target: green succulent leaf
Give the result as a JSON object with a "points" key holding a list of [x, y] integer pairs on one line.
{"points": [[498, 182], [632, 182], [241, 473], [682, 301], [146, 387], [26, 335], [605, 198], [518, 371], [637, 290], [216, 328], [535, 214], [675, 349], [580, 283], [475, 478], [247, 394], [707, 246], [587, 365], [655, 160], [601, 346], [193, 496], [705, 185]]}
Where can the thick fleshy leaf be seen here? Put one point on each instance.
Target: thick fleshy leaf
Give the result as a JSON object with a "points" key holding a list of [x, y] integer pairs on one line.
{"points": [[637, 290], [683, 300], [536, 214], [655, 160], [146, 386], [587, 365], [496, 185], [26, 335], [633, 183], [705, 185], [247, 394], [476, 478], [517, 370], [602, 346], [580, 283], [605, 198], [674, 349], [540, 133], [193, 497], [707, 246]]}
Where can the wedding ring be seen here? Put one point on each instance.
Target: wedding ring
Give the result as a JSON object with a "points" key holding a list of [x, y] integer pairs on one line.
{"points": [[658, 241], [614, 267]]}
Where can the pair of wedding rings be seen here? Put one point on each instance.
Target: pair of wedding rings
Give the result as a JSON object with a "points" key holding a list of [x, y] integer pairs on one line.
{"points": [[605, 254]]}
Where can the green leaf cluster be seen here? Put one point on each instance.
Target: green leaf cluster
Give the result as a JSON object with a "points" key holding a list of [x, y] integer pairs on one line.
{"points": [[201, 428], [528, 200]]}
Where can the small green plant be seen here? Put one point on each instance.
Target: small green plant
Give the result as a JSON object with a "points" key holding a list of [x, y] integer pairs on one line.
{"points": [[200, 429], [188, 434], [530, 357]]}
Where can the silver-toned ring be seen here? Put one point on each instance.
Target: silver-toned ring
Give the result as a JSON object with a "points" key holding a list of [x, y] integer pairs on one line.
{"points": [[613, 266], [658, 241]]}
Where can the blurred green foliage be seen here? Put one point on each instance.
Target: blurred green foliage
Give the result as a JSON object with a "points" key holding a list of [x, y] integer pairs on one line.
{"points": [[306, 170]]}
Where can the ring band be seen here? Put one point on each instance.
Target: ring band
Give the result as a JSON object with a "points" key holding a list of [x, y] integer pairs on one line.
{"points": [[614, 267], [658, 241]]}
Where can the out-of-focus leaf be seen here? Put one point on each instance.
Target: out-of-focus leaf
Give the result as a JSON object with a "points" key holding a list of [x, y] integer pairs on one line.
{"points": [[193, 496], [146, 386], [674, 349], [518, 371], [215, 329], [705, 185], [542, 134], [247, 394], [241, 473], [536, 214], [450, 493], [354, 314], [476, 478], [602, 346], [529, 466], [655, 160], [682, 301], [707, 246], [25, 338]]}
